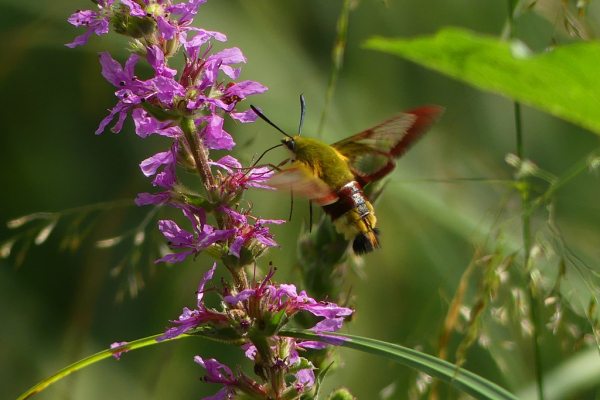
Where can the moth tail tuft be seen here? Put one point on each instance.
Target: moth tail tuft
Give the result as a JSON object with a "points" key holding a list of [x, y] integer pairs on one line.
{"points": [[366, 242]]}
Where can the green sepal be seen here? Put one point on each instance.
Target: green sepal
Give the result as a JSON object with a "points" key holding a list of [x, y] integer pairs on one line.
{"points": [[301, 364], [317, 387], [215, 251], [246, 258], [199, 201], [140, 27], [159, 113], [135, 27], [275, 323]]}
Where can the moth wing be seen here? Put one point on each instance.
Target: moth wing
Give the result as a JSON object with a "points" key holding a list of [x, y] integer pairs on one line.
{"points": [[300, 179], [371, 153]]}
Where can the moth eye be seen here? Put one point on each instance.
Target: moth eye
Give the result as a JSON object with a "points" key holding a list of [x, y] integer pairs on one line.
{"points": [[289, 143]]}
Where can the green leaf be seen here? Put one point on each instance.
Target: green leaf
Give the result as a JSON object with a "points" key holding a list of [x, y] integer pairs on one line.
{"points": [[563, 82], [461, 379], [466, 381]]}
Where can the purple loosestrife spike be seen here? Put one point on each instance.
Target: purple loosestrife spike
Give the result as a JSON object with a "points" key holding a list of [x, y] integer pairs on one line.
{"points": [[247, 313], [189, 107]]}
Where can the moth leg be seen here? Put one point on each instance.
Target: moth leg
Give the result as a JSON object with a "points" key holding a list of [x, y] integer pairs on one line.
{"points": [[311, 216], [291, 203]]}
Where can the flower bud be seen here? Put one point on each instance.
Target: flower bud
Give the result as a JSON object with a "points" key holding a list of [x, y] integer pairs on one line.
{"points": [[341, 394], [135, 27]]}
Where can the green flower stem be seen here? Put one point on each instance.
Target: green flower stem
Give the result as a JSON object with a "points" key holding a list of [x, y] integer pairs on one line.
{"points": [[198, 153], [337, 56], [201, 160], [239, 275], [525, 221], [574, 171]]}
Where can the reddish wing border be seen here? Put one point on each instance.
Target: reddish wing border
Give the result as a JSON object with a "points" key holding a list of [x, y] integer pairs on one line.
{"points": [[416, 123], [426, 117]]}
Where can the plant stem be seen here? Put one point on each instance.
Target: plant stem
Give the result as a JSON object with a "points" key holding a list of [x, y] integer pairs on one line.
{"points": [[339, 48], [198, 152], [239, 276], [525, 221]]}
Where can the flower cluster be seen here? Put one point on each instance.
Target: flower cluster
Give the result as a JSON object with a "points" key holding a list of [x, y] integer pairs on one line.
{"points": [[188, 106], [252, 318]]}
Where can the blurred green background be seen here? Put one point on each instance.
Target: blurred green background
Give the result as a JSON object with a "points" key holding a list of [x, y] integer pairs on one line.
{"points": [[58, 307]]}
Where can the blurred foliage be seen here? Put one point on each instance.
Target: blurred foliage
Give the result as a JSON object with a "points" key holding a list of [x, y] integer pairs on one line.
{"points": [[450, 215], [563, 82]]}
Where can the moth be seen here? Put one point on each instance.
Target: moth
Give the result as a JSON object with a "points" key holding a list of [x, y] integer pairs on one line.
{"points": [[333, 176]]}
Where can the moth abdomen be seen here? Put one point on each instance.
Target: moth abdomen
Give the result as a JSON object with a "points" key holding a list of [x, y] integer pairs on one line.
{"points": [[353, 216], [366, 242]]}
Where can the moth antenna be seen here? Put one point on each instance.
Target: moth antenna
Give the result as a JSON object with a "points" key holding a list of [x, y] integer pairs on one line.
{"points": [[263, 154], [302, 111], [267, 120]]}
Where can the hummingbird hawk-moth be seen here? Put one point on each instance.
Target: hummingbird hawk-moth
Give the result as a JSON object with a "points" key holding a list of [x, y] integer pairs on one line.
{"points": [[333, 176]]}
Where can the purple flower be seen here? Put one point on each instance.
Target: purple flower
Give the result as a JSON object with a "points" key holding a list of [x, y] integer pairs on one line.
{"points": [[160, 91], [166, 179], [145, 125], [244, 233], [235, 92], [131, 90], [218, 373], [305, 376], [156, 59], [150, 165], [204, 234], [245, 116], [257, 306], [286, 347], [192, 46], [117, 354], [161, 12], [191, 319], [286, 297], [186, 10], [215, 138], [202, 73], [96, 22], [238, 178]]}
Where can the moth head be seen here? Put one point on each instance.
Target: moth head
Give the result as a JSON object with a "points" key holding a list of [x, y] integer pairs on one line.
{"points": [[290, 145]]}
